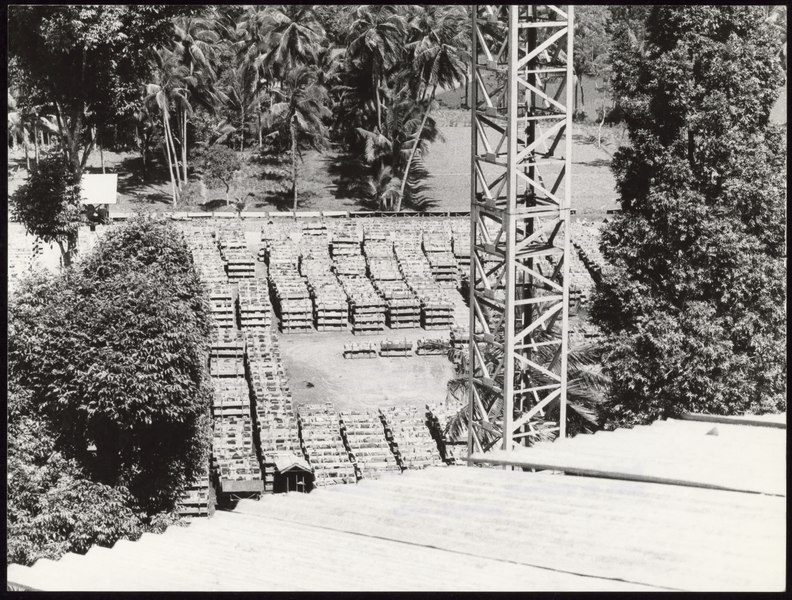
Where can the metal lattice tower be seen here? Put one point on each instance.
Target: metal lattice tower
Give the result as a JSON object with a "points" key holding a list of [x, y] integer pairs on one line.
{"points": [[521, 109]]}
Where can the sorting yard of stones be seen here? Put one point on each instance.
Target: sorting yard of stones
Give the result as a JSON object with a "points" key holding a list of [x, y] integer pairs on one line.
{"points": [[293, 302]]}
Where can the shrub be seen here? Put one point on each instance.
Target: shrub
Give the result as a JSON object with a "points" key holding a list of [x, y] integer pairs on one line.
{"points": [[219, 164], [193, 192], [48, 204], [52, 507]]}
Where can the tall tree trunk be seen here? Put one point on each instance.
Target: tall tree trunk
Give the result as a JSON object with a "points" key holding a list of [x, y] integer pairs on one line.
{"points": [[379, 115], [67, 252], [168, 155], [175, 151], [36, 138], [406, 173], [242, 132], [25, 146], [184, 145], [142, 141], [259, 127], [101, 150], [599, 130], [294, 163], [577, 86], [86, 152], [78, 116], [376, 76], [172, 147]]}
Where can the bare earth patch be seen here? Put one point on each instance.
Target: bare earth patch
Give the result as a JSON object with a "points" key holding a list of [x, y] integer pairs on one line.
{"points": [[318, 372]]}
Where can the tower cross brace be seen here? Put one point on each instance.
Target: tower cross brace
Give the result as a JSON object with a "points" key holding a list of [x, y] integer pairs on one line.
{"points": [[521, 142]]}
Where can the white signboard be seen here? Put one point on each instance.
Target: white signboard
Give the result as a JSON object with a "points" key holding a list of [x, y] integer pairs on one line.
{"points": [[99, 189]]}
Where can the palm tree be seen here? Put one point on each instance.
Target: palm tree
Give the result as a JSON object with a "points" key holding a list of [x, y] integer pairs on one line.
{"points": [[439, 59], [144, 132], [353, 107], [243, 94], [303, 107], [170, 92], [328, 64], [586, 388], [392, 146], [196, 44], [294, 36], [383, 188], [252, 35], [375, 44], [197, 39], [26, 123]]}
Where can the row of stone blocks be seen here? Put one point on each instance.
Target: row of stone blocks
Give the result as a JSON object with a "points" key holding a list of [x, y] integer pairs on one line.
{"points": [[274, 413], [348, 446], [393, 348]]}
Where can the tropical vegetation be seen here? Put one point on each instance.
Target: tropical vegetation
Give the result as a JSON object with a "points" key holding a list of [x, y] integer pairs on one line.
{"points": [[110, 389], [282, 77], [693, 300]]}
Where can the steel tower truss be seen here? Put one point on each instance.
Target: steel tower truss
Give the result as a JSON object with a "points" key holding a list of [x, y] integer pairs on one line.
{"points": [[520, 205]]}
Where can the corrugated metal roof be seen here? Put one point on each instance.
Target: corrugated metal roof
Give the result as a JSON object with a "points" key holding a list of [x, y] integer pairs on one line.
{"points": [[461, 528], [705, 454]]}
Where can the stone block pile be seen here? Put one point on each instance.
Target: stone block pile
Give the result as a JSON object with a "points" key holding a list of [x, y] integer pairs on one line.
{"points": [[255, 309], [368, 448], [409, 438], [323, 446]]}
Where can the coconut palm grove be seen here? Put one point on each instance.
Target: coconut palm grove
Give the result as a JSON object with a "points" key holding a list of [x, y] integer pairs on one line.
{"points": [[271, 294]]}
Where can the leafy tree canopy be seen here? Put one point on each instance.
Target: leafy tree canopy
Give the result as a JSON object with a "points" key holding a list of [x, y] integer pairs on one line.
{"points": [[53, 508], [115, 357], [218, 164], [694, 301], [48, 203], [87, 63]]}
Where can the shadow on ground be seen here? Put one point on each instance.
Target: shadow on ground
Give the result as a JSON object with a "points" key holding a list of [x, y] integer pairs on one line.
{"points": [[139, 184], [349, 175], [597, 162]]}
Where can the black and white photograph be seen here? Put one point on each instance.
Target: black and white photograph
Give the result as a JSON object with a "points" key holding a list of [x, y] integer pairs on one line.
{"points": [[387, 298]]}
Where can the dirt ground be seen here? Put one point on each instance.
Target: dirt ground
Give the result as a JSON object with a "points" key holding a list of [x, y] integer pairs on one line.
{"points": [[318, 371]]}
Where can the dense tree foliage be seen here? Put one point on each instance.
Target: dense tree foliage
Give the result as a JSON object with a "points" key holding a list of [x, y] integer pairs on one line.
{"points": [[86, 63], [694, 301], [302, 105], [114, 353], [48, 204], [53, 507], [592, 44], [219, 164]]}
